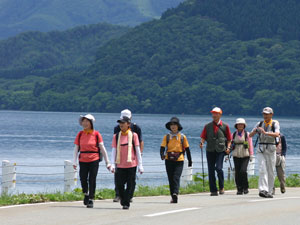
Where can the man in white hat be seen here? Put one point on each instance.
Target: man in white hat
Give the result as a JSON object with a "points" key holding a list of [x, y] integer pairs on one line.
{"points": [[126, 113], [268, 132], [218, 137]]}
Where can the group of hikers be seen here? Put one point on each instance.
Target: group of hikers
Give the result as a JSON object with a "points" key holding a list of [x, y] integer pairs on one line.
{"points": [[128, 145]]}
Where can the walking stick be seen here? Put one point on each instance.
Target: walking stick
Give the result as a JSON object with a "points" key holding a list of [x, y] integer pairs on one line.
{"points": [[202, 167]]}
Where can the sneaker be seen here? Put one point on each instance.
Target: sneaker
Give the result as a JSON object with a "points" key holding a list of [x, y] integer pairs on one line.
{"points": [[246, 191], [214, 194], [263, 194], [90, 204], [116, 199], [126, 207], [174, 199], [222, 192], [86, 199], [282, 189]]}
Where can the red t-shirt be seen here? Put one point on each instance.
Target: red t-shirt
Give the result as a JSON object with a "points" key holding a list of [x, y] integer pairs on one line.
{"points": [[88, 144], [216, 128]]}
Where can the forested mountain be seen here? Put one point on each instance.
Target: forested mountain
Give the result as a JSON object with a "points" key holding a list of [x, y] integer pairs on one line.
{"points": [[18, 16], [45, 54], [186, 62]]}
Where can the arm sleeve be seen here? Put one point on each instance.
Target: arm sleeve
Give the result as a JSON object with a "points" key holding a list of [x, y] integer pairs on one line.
{"points": [[75, 155], [283, 145], [162, 151], [113, 157], [139, 158], [188, 154], [250, 141], [104, 153]]}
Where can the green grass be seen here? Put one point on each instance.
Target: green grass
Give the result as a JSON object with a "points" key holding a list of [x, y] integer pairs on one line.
{"points": [[195, 187]]}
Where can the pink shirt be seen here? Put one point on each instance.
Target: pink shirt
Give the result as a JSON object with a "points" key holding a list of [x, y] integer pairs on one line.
{"points": [[124, 151]]}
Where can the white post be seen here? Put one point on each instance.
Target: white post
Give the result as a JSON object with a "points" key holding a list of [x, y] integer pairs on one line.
{"points": [[70, 176], [251, 168], [8, 176], [187, 174]]}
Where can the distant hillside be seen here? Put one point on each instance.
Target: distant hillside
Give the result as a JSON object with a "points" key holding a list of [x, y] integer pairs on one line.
{"points": [[44, 54], [185, 62], [18, 16]]}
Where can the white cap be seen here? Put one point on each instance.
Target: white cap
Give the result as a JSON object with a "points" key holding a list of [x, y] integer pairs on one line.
{"points": [[240, 121], [268, 110], [216, 110], [125, 113], [87, 116]]}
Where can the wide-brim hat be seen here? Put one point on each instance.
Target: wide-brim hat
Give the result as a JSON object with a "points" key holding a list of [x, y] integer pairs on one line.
{"points": [[90, 117], [174, 120], [240, 121]]}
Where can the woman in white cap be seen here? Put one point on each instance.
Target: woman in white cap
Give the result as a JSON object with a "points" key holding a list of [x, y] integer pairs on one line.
{"points": [[89, 143], [242, 152]]}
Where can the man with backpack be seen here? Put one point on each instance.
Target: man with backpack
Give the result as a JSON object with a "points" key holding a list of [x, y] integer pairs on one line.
{"points": [[126, 113], [268, 132], [218, 137], [280, 162]]}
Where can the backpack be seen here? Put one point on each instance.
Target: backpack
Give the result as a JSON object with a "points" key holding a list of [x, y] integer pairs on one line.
{"points": [[181, 141], [272, 128], [97, 145]]}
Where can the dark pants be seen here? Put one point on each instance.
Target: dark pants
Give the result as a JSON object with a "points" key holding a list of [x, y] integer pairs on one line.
{"points": [[241, 176], [125, 176], [215, 163], [174, 171], [117, 190], [88, 175]]}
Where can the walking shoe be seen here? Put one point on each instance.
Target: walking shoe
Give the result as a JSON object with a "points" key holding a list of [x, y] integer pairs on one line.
{"points": [[214, 194], [174, 198], [126, 207], [116, 199], [239, 192], [86, 199], [90, 204], [222, 192], [282, 189], [246, 191], [263, 194]]}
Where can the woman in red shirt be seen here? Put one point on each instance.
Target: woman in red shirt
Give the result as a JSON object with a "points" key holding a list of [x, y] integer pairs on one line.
{"points": [[89, 144]]}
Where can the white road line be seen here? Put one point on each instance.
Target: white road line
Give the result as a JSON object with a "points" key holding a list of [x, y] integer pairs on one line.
{"points": [[24, 205], [171, 212], [273, 199]]}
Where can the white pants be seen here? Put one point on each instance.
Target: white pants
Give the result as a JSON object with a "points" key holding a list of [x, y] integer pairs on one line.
{"points": [[266, 167]]}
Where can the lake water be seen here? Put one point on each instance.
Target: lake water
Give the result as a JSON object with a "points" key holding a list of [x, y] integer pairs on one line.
{"points": [[39, 142]]}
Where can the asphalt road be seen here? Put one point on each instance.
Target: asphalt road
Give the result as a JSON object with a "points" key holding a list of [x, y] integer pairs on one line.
{"points": [[191, 209]]}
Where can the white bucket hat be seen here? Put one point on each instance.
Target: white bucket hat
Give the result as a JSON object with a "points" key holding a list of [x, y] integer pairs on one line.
{"points": [[240, 121], [90, 117], [125, 113]]}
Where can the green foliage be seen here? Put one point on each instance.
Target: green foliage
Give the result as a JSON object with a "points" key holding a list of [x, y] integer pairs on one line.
{"points": [[186, 62], [19, 16]]}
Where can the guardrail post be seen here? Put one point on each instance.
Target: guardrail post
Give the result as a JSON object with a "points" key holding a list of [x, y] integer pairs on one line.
{"points": [[251, 168], [8, 176], [70, 176], [187, 174]]}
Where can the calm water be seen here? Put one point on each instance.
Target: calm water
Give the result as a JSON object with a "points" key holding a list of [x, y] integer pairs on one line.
{"points": [[46, 139]]}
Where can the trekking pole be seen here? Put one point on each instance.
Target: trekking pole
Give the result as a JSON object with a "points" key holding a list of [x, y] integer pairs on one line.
{"points": [[202, 167], [229, 163]]}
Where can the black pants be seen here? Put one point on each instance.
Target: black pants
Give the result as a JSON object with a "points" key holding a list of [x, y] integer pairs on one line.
{"points": [[241, 176], [117, 190], [215, 163], [174, 171], [125, 176], [88, 175]]}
